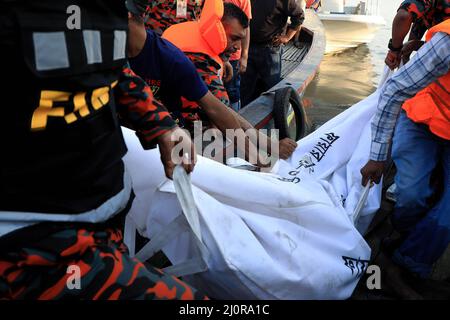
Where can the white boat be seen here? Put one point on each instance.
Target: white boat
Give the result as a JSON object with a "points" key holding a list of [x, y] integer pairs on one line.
{"points": [[349, 23]]}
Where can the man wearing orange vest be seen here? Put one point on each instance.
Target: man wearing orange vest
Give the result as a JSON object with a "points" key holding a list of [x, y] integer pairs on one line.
{"points": [[206, 42], [238, 60], [210, 41], [421, 143]]}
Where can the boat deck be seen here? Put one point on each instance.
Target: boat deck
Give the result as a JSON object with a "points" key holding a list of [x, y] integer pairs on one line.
{"points": [[292, 56]]}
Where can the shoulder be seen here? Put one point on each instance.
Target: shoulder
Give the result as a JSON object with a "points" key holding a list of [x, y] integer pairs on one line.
{"points": [[203, 61], [441, 43], [168, 51]]}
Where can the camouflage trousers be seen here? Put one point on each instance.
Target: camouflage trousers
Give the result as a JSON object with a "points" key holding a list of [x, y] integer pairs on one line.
{"points": [[45, 270]]}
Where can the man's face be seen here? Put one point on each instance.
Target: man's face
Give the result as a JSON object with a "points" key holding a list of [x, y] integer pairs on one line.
{"points": [[235, 33]]}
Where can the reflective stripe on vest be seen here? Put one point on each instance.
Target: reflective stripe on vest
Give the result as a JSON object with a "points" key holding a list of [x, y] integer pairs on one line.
{"points": [[431, 105], [205, 36]]}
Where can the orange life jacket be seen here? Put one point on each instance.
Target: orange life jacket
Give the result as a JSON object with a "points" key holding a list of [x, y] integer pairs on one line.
{"points": [[207, 35], [431, 106]]}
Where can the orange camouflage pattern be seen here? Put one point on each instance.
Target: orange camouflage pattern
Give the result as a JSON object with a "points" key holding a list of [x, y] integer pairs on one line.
{"points": [[210, 71], [426, 14], [139, 111], [163, 13], [39, 270]]}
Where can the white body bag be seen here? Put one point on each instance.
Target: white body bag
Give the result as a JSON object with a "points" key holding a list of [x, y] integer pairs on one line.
{"points": [[236, 234]]}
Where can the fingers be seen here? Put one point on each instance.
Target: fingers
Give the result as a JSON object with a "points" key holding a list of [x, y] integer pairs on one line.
{"points": [[276, 41], [190, 160], [169, 166], [372, 171], [228, 72], [376, 178], [292, 143], [287, 148], [176, 147], [286, 152], [392, 60], [365, 179], [390, 64]]}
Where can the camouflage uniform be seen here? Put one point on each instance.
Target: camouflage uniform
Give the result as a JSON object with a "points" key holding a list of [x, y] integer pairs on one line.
{"points": [[34, 261], [163, 13], [210, 71], [426, 14]]}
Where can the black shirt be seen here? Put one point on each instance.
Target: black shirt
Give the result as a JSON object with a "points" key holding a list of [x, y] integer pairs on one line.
{"points": [[270, 18]]}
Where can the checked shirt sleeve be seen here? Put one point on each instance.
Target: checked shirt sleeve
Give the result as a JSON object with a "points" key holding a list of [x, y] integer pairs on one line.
{"points": [[430, 63]]}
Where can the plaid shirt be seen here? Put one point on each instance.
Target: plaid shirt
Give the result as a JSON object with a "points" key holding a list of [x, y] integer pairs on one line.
{"points": [[430, 63]]}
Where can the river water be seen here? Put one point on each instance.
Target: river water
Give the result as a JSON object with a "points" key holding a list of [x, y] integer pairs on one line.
{"points": [[350, 76]]}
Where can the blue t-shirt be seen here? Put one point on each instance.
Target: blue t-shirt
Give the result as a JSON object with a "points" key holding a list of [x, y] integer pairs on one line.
{"points": [[169, 73]]}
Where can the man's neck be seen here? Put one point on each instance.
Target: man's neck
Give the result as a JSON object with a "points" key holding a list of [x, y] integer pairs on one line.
{"points": [[136, 43]]}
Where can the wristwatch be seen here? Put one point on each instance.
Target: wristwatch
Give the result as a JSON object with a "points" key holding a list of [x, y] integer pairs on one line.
{"points": [[392, 48]]}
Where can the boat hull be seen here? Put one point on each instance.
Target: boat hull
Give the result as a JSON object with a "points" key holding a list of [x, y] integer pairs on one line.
{"points": [[345, 31]]}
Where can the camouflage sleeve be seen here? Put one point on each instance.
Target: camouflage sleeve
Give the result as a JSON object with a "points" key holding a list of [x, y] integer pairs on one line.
{"points": [[208, 70], [139, 111], [417, 8]]}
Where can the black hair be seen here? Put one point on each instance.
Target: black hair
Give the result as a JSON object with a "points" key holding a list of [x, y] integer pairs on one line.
{"points": [[233, 11]]}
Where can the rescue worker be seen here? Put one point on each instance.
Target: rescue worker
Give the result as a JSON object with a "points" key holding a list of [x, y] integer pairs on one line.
{"points": [[239, 59], [226, 29], [421, 143], [165, 13], [269, 33], [63, 188], [174, 79], [421, 15]]}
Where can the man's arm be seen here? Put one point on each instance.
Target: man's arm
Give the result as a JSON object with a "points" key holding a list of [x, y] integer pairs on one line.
{"points": [[245, 43], [295, 12], [138, 111], [430, 63], [400, 27], [244, 54], [409, 12], [297, 15], [219, 114], [225, 118]]}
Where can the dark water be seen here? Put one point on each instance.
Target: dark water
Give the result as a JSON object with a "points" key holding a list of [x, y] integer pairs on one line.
{"points": [[348, 77]]}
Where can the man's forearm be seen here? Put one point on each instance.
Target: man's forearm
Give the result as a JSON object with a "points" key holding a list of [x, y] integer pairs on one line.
{"points": [[246, 43], [254, 134], [290, 33], [400, 27], [221, 115]]}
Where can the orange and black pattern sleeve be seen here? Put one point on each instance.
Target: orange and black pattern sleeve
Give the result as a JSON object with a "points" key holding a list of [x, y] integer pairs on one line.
{"points": [[163, 13], [139, 111], [426, 14], [209, 71]]}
